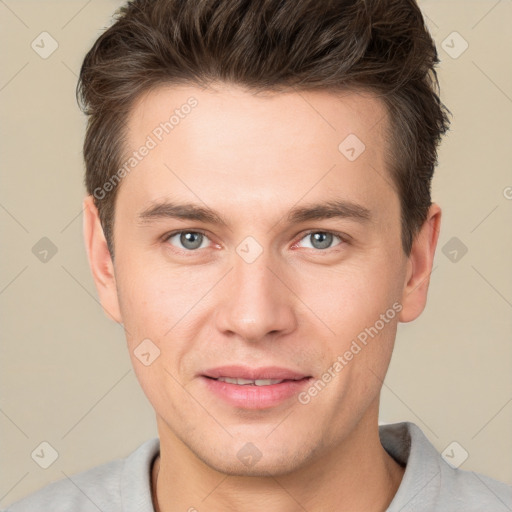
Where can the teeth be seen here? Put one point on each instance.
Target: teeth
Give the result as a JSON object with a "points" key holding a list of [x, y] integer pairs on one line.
{"points": [[257, 382]]}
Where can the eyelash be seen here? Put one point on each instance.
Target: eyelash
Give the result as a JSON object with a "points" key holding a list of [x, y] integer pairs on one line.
{"points": [[344, 239]]}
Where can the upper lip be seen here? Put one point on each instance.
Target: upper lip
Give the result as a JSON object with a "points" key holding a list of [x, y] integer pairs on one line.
{"points": [[246, 372]]}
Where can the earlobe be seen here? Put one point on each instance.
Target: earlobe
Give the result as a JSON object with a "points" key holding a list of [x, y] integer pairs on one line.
{"points": [[100, 260], [419, 266]]}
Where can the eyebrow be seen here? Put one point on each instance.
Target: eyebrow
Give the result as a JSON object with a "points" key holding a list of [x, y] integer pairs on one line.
{"points": [[187, 211]]}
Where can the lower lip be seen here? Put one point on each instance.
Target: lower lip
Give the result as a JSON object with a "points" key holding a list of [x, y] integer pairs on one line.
{"points": [[250, 396]]}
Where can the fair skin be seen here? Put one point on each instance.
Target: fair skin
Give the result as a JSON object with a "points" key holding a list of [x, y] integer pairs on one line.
{"points": [[251, 159]]}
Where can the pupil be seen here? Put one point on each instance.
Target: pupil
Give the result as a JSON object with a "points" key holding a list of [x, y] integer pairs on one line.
{"points": [[322, 240], [191, 240]]}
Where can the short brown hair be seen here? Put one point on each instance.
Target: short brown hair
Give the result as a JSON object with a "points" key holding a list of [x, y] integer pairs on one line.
{"points": [[381, 46]]}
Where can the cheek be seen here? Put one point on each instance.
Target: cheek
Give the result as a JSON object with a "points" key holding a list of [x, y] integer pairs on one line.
{"points": [[168, 307], [350, 298], [154, 297], [152, 304]]}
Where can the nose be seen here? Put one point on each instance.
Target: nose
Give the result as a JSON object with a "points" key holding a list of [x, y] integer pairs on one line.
{"points": [[256, 304]]}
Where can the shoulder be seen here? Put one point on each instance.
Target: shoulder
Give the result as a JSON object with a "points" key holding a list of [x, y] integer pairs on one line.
{"points": [[431, 484], [94, 489], [103, 487], [471, 491]]}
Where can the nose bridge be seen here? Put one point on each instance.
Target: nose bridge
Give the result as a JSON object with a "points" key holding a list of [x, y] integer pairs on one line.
{"points": [[255, 302]]}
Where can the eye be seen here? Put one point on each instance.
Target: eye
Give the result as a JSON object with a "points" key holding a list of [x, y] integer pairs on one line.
{"points": [[321, 239], [193, 240], [189, 240]]}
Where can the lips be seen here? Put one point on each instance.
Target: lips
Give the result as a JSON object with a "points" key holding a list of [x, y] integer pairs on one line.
{"points": [[247, 388]]}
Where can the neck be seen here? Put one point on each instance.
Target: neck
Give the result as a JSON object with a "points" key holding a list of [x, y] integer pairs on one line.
{"points": [[357, 475]]}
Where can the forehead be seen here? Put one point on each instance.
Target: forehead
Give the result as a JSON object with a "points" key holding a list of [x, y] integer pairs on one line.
{"points": [[217, 113], [231, 143]]}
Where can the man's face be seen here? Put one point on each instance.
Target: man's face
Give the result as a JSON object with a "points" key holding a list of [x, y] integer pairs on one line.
{"points": [[265, 289]]}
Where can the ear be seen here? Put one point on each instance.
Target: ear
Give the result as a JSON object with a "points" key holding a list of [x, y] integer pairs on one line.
{"points": [[100, 260], [419, 266]]}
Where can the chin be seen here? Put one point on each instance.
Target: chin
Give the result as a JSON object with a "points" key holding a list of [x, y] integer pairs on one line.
{"points": [[246, 459], [269, 468]]}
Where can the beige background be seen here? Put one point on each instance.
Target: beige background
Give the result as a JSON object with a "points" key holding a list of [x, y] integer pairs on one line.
{"points": [[65, 374]]}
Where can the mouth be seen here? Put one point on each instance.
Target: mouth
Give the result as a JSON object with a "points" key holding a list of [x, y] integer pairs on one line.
{"points": [[247, 375], [254, 388], [255, 382]]}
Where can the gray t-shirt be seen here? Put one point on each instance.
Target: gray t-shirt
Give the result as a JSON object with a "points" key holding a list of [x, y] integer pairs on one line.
{"points": [[429, 483]]}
